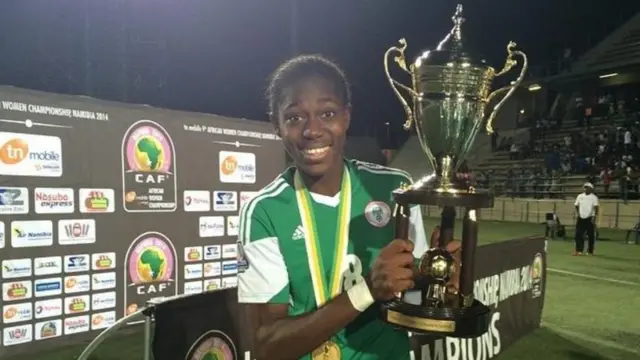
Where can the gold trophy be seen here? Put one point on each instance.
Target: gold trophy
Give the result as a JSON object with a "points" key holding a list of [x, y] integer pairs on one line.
{"points": [[450, 92]]}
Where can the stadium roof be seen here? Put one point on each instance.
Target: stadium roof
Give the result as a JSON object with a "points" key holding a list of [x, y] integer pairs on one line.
{"points": [[620, 49], [617, 53]]}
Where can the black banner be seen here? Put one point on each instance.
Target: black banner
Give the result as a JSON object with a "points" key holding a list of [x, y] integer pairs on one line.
{"points": [[510, 279], [104, 206], [183, 328]]}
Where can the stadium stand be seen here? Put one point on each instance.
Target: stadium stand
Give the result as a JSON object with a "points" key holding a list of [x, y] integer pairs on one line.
{"points": [[522, 170], [590, 131]]}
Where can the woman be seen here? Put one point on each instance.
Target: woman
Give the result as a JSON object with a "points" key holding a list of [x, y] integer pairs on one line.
{"points": [[317, 242]]}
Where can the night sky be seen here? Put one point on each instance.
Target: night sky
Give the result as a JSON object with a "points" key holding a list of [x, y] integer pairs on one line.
{"points": [[214, 56]]}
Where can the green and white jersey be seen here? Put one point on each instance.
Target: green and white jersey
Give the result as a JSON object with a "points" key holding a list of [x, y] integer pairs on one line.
{"points": [[276, 263]]}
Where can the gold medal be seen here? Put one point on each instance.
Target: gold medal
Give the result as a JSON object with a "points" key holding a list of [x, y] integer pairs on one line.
{"points": [[327, 351]]}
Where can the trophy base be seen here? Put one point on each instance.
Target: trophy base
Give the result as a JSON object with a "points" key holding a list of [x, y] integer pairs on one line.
{"points": [[455, 322], [429, 196]]}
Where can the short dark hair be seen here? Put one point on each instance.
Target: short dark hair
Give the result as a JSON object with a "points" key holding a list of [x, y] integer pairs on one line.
{"points": [[301, 67]]}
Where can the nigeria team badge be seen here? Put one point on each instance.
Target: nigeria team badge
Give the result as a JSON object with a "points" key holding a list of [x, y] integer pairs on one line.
{"points": [[377, 213], [150, 270], [148, 169]]}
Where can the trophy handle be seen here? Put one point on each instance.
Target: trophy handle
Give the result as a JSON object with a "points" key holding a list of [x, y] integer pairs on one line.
{"points": [[509, 64], [396, 85]]}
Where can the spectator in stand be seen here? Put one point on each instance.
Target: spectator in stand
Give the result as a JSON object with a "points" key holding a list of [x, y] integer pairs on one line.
{"points": [[601, 148], [481, 180], [537, 185], [622, 173], [634, 173], [606, 175], [514, 152], [511, 184], [535, 132], [505, 144], [464, 175], [628, 140], [494, 140], [484, 179], [552, 161], [555, 187], [523, 178], [566, 166]]}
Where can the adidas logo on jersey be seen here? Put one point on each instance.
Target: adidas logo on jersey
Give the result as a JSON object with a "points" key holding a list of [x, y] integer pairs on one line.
{"points": [[298, 234]]}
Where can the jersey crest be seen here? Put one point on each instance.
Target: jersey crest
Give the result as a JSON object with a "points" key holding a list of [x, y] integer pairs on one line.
{"points": [[377, 213]]}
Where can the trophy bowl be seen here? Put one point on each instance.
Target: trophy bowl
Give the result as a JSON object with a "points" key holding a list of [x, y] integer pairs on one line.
{"points": [[449, 95]]}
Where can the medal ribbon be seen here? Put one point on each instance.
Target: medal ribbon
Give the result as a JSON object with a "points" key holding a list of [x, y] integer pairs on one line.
{"points": [[323, 291]]}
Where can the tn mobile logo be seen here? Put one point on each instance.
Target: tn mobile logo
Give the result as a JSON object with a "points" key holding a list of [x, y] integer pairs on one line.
{"points": [[16, 150]]}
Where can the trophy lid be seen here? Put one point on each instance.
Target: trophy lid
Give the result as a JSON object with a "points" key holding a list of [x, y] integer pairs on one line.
{"points": [[452, 47]]}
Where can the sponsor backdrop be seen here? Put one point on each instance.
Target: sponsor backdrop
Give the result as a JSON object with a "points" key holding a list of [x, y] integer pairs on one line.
{"points": [[105, 205], [510, 278]]}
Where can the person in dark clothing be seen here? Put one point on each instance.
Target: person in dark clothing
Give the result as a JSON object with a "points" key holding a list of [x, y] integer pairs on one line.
{"points": [[494, 140]]}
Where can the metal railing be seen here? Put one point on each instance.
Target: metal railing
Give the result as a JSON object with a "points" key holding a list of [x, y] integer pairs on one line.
{"points": [[613, 214]]}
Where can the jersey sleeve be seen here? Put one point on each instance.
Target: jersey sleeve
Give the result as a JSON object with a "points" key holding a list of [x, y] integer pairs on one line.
{"points": [[262, 274]]}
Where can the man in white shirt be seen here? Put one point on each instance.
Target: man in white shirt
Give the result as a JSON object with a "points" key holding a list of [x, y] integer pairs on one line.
{"points": [[627, 140], [587, 209]]}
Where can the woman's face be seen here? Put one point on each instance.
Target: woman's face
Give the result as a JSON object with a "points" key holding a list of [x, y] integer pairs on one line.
{"points": [[313, 122]]}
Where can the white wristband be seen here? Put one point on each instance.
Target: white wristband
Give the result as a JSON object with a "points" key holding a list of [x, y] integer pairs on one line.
{"points": [[360, 296]]}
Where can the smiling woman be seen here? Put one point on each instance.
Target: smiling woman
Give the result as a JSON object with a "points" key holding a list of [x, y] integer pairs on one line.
{"points": [[317, 243], [311, 94]]}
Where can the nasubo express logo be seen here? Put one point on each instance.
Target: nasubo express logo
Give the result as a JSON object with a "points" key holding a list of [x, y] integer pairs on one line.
{"points": [[213, 344], [148, 169], [150, 270]]}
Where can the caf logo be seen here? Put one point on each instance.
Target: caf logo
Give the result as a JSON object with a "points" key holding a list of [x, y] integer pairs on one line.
{"points": [[150, 270], [148, 164], [213, 345], [537, 268]]}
